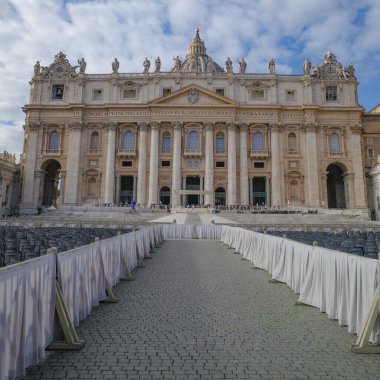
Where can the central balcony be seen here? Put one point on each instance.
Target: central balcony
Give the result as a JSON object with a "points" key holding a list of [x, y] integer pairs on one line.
{"points": [[126, 153], [192, 153], [259, 153]]}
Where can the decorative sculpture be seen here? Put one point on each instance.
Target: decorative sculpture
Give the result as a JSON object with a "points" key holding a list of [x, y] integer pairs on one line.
{"points": [[243, 66], [158, 65], [146, 65], [306, 67], [272, 66], [229, 67], [37, 68], [82, 66], [115, 66]]}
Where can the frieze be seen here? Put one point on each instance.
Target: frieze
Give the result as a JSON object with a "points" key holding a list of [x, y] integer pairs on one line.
{"points": [[262, 114], [292, 115], [192, 112]]}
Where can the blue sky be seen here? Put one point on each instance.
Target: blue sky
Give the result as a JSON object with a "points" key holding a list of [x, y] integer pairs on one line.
{"points": [[100, 30]]}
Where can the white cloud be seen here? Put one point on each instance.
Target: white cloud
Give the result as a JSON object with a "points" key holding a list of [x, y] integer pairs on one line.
{"points": [[101, 30]]}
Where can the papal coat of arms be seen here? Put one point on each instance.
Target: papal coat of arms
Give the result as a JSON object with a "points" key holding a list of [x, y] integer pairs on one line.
{"points": [[193, 96]]}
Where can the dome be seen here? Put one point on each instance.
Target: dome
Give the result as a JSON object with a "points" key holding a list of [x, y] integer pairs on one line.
{"points": [[196, 61]]}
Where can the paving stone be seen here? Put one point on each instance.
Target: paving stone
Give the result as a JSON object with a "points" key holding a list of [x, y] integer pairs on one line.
{"points": [[198, 312]]}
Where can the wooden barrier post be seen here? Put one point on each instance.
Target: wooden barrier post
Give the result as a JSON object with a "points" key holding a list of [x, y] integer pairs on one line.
{"points": [[71, 342], [362, 344]]}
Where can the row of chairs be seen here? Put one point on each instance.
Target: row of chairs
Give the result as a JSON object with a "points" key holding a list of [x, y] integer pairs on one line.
{"points": [[362, 243], [19, 243]]}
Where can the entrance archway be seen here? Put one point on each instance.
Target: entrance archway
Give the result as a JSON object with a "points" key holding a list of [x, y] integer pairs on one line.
{"points": [[165, 195], [335, 187], [52, 183], [220, 196]]}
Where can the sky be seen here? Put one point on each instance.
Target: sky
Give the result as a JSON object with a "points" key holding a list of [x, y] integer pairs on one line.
{"points": [[100, 30]]}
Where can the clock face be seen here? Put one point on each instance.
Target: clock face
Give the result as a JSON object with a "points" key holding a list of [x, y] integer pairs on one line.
{"points": [[330, 70], [59, 69]]}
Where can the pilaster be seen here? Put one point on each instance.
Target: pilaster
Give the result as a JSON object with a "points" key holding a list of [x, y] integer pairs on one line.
{"points": [[110, 164], [177, 163], [244, 191], [141, 170], [153, 164], [231, 194], [209, 164]]}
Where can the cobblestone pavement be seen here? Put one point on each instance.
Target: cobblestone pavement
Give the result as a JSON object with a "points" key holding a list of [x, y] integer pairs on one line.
{"points": [[198, 312]]}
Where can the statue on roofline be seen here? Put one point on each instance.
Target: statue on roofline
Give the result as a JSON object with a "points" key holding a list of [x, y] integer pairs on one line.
{"points": [[243, 66], [115, 66]]}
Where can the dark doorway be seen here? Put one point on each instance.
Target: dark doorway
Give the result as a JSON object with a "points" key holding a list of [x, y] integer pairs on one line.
{"points": [[335, 187], [193, 183], [259, 191], [126, 189], [51, 183], [220, 196], [165, 195]]}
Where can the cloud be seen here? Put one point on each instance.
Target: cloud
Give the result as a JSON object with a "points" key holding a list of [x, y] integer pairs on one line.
{"points": [[101, 30]]}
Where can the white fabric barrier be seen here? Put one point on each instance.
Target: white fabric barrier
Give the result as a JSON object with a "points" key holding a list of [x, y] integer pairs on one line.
{"points": [[27, 307], [188, 231], [339, 284]]}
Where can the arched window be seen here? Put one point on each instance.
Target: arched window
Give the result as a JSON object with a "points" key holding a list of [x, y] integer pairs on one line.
{"points": [[94, 141], [219, 143], [53, 141], [92, 190], [292, 143], [193, 140], [258, 141], [166, 142], [129, 140], [334, 143]]}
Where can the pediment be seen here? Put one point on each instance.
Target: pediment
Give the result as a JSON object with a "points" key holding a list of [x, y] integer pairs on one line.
{"points": [[193, 95]]}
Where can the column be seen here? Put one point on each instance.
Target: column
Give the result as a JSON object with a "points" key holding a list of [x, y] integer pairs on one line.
{"points": [[267, 190], [244, 188], [201, 188], [184, 197], [209, 165], [231, 194], [177, 160], [250, 190], [39, 177], [62, 178], [73, 164], [141, 169], [110, 164], [312, 193], [118, 185], [134, 196], [153, 164], [28, 189], [358, 198], [275, 159]]}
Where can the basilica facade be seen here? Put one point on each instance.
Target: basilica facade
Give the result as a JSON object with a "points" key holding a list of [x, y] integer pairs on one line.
{"points": [[203, 133]]}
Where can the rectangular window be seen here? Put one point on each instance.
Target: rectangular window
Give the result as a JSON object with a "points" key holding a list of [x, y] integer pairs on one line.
{"points": [[219, 164], [290, 95], [331, 94], [370, 153], [129, 93], [257, 94], [97, 94], [127, 164], [57, 91], [166, 91], [259, 165], [165, 163], [220, 91]]}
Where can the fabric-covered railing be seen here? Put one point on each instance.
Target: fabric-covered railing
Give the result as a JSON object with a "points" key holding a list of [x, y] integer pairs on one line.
{"points": [[339, 284]]}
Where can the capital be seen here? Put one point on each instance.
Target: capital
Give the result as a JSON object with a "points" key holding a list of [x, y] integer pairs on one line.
{"points": [[177, 125], [356, 129], [155, 124], [311, 127], [143, 127], [231, 126], [276, 127], [34, 127], [111, 127], [209, 126], [243, 127], [76, 126]]}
